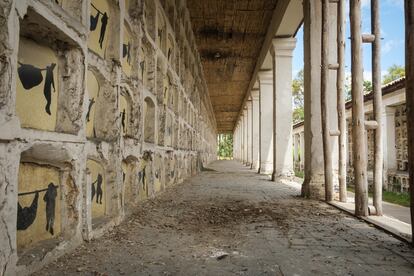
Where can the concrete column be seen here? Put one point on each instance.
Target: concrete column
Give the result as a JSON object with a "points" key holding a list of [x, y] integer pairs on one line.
{"points": [[282, 53], [242, 138], [313, 185], [266, 121], [295, 150], [388, 132], [302, 150], [255, 129], [235, 143], [245, 137], [249, 133]]}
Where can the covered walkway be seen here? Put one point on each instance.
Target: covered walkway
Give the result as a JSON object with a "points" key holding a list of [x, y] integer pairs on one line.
{"points": [[231, 221]]}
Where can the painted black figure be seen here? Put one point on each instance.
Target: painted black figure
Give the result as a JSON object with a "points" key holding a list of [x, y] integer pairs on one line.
{"points": [[98, 191], [142, 65], [126, 52], [49, 83], [123, 117], [91, 103], [104, 23], [141, 178], [94, 19], [50, 199], [31, 76], [27, 215]]}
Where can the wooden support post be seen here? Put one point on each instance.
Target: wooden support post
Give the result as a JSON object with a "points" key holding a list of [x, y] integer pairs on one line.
{"points": [[327, 150], [409, 92], [358, 116], [343, 195], [377, 91]]}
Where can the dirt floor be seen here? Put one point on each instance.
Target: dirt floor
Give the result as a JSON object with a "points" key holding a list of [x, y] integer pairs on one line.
{"points": [[231, 221]]}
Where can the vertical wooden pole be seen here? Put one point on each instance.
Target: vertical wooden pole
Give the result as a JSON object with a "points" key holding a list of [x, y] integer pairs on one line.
{"points": [[358, 116], [327, 151], [377, 91], [341, 100], [409, 92]]}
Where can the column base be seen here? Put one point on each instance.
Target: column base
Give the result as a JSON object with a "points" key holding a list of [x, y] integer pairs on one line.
{"points": [[266, 168], [314, 187], [279, 175]]}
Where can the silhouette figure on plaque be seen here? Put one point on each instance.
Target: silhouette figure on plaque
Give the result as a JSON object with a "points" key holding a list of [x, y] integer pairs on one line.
{"points": [[31, 76], [94, 23], [123, 117], [91, 102], [94, 19], [98, 191], [49, 83], [104, 22], [50, 199], [27, 215], [126, 52]]}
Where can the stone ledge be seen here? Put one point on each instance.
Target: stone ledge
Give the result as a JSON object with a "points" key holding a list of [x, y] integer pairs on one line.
{"points": [[395, 227]]}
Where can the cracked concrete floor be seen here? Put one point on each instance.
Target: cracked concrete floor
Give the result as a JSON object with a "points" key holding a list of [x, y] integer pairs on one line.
{"points": [[231, 221]]}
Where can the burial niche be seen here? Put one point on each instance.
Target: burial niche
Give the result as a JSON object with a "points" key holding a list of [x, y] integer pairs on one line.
{"points": [[161, 33], [37, 86], [130, 181], [170, 49], [149, 120], [93, 94], [149, 14], [100, 20], [145, 178], [158, 168], [97, 187], [38, 204], [126, 52]]}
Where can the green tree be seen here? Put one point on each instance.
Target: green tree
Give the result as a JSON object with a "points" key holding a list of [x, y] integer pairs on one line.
{"points": [[225, 146], [367, 86], [394, 72], [298, 98]]}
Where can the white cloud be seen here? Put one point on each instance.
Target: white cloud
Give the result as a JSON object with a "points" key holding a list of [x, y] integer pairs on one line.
{"points": [[390, 45], [365, 3], [397, 3]]}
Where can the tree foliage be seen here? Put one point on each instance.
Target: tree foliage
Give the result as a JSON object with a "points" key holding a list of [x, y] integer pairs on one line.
{"points": [[225, 146], [394, 72], [298, 98]]}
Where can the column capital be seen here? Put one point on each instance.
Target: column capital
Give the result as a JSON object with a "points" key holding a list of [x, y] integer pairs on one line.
{"points": [[265, 76], [389, 110], [254, 93], [283, 46]]}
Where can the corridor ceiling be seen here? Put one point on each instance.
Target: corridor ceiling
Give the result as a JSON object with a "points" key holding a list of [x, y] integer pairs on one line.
{"points": [[229, 36], [233, 38]]}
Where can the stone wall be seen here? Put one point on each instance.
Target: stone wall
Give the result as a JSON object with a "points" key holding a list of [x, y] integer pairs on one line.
{"points": [[102, 104]]}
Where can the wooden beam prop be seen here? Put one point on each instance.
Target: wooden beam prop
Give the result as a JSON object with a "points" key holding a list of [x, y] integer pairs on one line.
{"points": [[340, 76], [327, 150], [377, 91], [358, 116], [409, 92]]}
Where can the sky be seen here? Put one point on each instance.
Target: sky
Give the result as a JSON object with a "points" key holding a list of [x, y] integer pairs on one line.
{"points": [[392, 32]]}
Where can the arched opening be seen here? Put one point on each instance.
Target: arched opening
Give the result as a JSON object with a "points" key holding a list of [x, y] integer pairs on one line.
{"points": [[149, 120]]}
